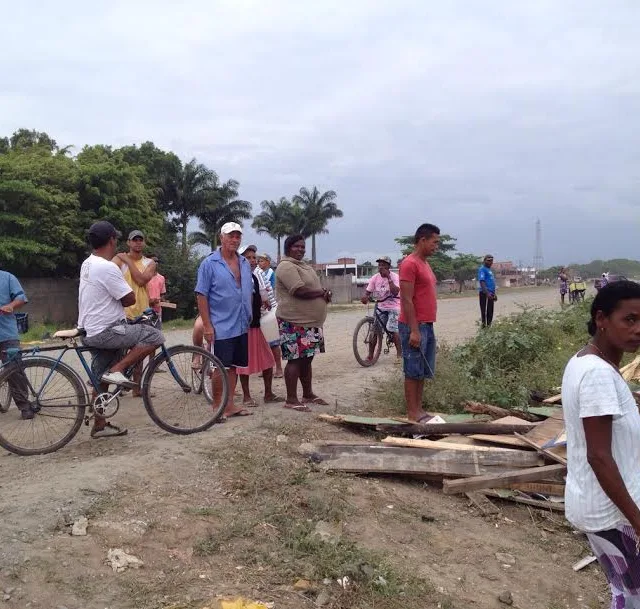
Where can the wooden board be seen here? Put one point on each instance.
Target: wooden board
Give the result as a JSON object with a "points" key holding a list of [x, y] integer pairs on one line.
{"points": [[543, 411], [513, 421], [546, 431], [384, 459], [351, 419], [557, 454], [168, 305], [502, 479], [511, 440], [483, 503], [554, 399], [542, 488], [441, 429], [497, 412], [511, 496]]}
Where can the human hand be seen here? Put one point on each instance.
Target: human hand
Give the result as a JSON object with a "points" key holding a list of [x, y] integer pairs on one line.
{"points": [[209, 333], [414, 339], [494, 297], [364, 300], [8, 309], [327, 296]]}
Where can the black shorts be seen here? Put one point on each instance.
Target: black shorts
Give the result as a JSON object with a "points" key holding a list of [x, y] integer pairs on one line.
{"points": [[232, 352]]}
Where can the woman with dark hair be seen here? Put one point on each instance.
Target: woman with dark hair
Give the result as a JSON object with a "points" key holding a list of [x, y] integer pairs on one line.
{"points": [[302, 309], [603, 441]]}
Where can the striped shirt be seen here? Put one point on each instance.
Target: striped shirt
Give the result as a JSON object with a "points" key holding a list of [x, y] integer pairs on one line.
{"points": [[593, 388]]}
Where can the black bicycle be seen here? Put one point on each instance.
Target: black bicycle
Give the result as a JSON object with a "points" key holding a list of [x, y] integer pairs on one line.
{"points": [[368, 336], [60, 400]]}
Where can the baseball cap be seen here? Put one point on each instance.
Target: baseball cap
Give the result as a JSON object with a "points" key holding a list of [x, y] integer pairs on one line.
{"points": [[265, 256], [230, 227], [384, 259], [135, 233], [248, 248], [103, 231]]}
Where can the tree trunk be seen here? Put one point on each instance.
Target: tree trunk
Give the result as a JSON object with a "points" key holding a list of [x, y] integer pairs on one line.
{"points": [[185, 247], [313, 249], [279, 256], [214, 242]]}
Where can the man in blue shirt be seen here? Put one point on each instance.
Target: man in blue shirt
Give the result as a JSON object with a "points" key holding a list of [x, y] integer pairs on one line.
{"points": [[487, 289], [224, 292], [12, 297]]}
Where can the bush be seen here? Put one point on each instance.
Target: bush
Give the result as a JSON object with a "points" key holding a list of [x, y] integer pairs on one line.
{"points": [[523, 353]]}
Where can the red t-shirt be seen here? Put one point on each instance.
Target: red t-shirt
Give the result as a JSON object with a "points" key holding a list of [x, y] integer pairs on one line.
{"points": [[419, 273]]}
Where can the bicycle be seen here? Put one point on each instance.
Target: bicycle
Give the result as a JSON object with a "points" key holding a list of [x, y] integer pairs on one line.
{"points": [[374, 326], [59, 397]]}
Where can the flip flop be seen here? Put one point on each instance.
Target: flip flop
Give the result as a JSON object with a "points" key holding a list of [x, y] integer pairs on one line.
{"points": [[108, 431], [250, 403], [297, 407], [278, 376], [316, 400], [243, 412], [274, 400]]}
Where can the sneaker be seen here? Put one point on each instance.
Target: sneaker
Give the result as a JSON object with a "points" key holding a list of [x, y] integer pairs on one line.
{"points": [[27, 414], [117, 378]]}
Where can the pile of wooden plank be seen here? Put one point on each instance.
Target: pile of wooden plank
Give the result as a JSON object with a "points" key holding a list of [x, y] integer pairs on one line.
{"points": [[518, 458]]}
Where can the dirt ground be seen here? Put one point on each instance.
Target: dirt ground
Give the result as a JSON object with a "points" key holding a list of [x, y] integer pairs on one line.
{"points": [[232, 512]]}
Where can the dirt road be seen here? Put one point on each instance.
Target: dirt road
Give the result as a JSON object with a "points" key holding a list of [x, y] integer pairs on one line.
{"points": [[140, 493]]}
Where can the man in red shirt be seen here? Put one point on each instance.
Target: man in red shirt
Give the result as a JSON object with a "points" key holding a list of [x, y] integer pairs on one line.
{"points": [[418, 307]]}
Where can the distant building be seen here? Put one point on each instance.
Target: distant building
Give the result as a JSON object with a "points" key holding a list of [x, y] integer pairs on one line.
{"points": [[360, 273]]}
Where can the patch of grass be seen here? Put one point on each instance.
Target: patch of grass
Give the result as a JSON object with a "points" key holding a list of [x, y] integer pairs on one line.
{"points": [[523, 353], [40, 332], [177, 324]]}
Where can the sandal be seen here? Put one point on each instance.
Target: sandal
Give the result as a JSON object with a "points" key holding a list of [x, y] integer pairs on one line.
{"points": [[251, 403], [297, 407], [316, 400], [274, 399], [109, 431], [243, 412]]}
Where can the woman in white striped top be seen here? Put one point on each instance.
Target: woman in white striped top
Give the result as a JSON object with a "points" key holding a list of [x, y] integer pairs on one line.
{"points": [[603, 441]]}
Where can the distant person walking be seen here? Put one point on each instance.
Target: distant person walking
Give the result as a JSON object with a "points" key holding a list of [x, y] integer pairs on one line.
{"points": [[487, 291], [418, 308], [224, 294], [12, 298], [302, 310], [563, 279]]}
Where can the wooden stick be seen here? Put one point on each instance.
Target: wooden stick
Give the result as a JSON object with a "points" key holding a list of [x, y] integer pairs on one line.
{"points": [[497, 412], [168, 305], [451, 487], [544, 505], [442, 429], [554, 399], [542, 451]]}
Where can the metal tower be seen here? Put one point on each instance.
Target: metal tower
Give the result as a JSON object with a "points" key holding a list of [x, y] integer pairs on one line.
{"points": [[538, 258]]}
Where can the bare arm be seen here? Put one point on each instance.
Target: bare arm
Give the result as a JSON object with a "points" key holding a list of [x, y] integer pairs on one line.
{"points": [[598, 433], [203, 309], [140, 278], [128, 300], [406, 296], [393, 288], [16, 303]]}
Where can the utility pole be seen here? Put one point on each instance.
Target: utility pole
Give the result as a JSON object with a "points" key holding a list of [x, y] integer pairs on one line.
{"points": [[538, 258]]}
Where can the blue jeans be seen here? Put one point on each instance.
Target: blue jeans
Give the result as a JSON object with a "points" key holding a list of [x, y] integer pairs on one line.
{"points": [[418, 363]]}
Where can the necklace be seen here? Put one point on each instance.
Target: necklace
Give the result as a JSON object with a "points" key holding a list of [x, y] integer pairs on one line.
{"points": [[602, 355]]}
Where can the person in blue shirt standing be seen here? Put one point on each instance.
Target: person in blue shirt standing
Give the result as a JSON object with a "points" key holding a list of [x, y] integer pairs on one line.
{"points": [[487, 289], [224, 293], [12, 297]]}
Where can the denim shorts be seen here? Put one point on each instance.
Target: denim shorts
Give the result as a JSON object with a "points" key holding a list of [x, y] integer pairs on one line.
{"points": [[418, 363]]}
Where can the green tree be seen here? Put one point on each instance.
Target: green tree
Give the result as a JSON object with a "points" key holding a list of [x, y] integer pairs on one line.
{"points": [[111, 189], [318, 210], [30, 138], [39, 213], [276, 220], [188, 196], [464, 268], [441, 261], [225, 207]]}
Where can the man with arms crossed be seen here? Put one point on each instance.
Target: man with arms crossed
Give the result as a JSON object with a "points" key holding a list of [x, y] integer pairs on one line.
{"points": [[385, 287], [102, 296], [224, 293], [418, 306]]}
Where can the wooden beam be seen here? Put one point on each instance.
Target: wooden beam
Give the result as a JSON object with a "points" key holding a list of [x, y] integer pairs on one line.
{"points": [[441, 429], [500, 480], [543, 451], [542, 488], [483, 503]]}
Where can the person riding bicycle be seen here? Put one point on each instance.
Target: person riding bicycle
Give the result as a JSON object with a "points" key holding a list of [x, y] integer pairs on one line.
{"points": [[384, 286], [102, 296]]}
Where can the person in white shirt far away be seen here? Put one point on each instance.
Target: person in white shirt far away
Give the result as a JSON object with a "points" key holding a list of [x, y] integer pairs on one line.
{"points": [[602, 495]]}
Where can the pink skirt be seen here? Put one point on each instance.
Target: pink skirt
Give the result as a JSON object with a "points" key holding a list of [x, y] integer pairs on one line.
{"points": [[260, 355]]}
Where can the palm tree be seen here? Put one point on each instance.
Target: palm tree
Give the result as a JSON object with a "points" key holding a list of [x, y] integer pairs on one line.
{"points": [[187, 195], [318, 209], [225, 207], [274, 220]]}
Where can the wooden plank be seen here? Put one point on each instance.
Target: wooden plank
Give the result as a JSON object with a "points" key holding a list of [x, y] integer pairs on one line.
{"points": [[554, 399], [542, 488], [553, 454], [483, 503], [502, 479], [383, 459], [350, 419], [544, 505], [497, 412], [502, 440], [513, 421], [168, 305], [441, 429], [543, 411], [394, 441]]}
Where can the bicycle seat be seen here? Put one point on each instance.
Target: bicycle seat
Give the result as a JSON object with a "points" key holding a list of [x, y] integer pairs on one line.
{"points": [[69, 333]]}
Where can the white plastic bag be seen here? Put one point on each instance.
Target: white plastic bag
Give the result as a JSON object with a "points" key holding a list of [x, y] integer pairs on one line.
{"points": [[269, 325]]}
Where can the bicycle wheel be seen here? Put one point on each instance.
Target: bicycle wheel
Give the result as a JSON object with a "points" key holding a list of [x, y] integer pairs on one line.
{"points": [[363, 336], [170, 398], [58, 397], [5, 397]]}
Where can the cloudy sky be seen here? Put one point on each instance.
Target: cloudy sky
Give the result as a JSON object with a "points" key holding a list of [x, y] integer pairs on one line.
{"points": [[479, 116]]}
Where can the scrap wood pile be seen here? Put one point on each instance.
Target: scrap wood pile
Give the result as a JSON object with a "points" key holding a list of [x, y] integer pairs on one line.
{"points": [[488, 452]]}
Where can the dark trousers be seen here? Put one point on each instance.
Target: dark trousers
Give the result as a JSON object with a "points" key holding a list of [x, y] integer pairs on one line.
{"points": [[18, 385], [486, 309]]}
